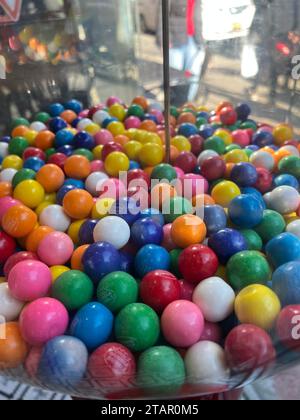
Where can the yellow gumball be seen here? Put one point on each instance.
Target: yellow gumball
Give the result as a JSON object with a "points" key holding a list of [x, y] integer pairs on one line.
{"points": [[257, 305], [132, 149], [154, 139], [151, 155], [141, 136], [181, 143], [236, 156], [97, 152], [12, 162], [117, 111], [102, 208], [30, 136], [74, 229], [283, 133], [30, 193], [42, 207], [116, 128], [225, 192], [289, 218], [115, 163], [51, 198], [57, 271], [92, 129], [225, 135], [202, 109], [131, 133]]}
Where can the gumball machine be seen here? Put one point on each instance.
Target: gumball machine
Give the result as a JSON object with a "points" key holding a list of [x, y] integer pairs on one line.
{"points": [[149, 197]]}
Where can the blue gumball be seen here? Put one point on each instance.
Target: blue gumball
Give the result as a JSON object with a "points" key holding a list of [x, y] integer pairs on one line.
{"points": [[74, 106], [187, 130], [252, 147], [57, 124], [127, 208], [63, 137], [76, 122], [283, 249], [151, 118], [263, 138], [226, 243], [207, 131], [134, 165], [56, 109], [75, 182], [286, 180], [107, 121], [101, 259], [84, 140], [66, 150], [153, 214], [34, 163], [93, 325], [244, 174], [5, 139], [215, 219], [255, 193], [127, 262], [146, 231], [62, 192], [203, 114], [151, 258], [286, 283], [63, 362], [246, 211], [86, 232], [243, 111]]}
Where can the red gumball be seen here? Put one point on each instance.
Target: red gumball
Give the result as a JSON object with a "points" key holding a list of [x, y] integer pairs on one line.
{"points": [[212, 332], [112, 367], [7, 247], [248, 348], [288, 327], [94, 109], [213, 168], [187, 290], [265, 180], [110, 148], [228, 116], [197, 263], [186, 161], [158, 289], [135, 176], [197, 143], [34, 152], [58, 159], [16, 258]]}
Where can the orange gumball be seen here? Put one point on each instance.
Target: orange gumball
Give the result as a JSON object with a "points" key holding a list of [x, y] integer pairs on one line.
{"points": [[6, 189], [280, 154], [13, 349], [203, 200], [77, 167], [78, 204], [19, 221], [36, 236], [51, 177], [44, 140], [69, 116], [149, 126], [187, 117], [141, 101], [76, 261], [121, 139], [162, 193], [20, 131], [188, 230]]}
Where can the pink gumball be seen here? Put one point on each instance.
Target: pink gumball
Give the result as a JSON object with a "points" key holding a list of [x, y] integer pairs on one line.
{"points": [[97, 166], [5, 204], [103, 137], [84, 113], [113, 188], [241, 137], [132, 122], [179, 172], [113, 100], [182, 323], [16, 259], [168, 243], [42, 320], [211, 332], [55, 249], [193, 185], [187, 290], [29, 280]]}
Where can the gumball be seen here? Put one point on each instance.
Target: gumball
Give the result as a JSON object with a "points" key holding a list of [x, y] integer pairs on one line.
{"points": [[154, 214], [85, 235], [247, 268], [241, 138], [215, 298], [12, 161], [17, 146], [127, 208], [215, 218], [272, 225], [228, 116], [13, 348], [158, 289], [286, 284], [77, 167], [112, 367], [57, 271], [182, 323], [253, 240], [285, 200], [213, 168], [30, 193], [58, 159], [286, 180], [94, 182], [10, 307], [168, 243], [243, 111], [198, 262], [215, 143], [97, 165], [164, 172], [57, 124], [146, 231], [111, 148], [282, 133], [247, 348], [73, 289], [29, 280], [112, 230], [197, 143], [206, 131], [244, 174], [226, 243], [62, 192], [138, 175], [55, 217], [283, 249], [100, 259], [42, 320], [287, 327], [151, 155], [205, 363], [78, 204], [51, 177], [186, 161], [7, 175], [175, 208], [117, 290], [19, 221], [161, 369], [257, 305], [5, 189], [212, 332], [63, 362], [294, 228], [61, 249], [115, 163], [246, 211], [188, 230], [44, 140], [102, 208], [17, 258], [56, 109], [7, 247], [76, 260], [137, 327], [225, 192], [103, 137], [23, 175], [34, 152], [151, 258]]}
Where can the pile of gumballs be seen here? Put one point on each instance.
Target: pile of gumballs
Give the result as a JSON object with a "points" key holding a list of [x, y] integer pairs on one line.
{"points": [[104, 293]]}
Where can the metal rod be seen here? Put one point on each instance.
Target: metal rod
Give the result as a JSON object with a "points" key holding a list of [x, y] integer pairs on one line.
{"points": [[166, 57]]}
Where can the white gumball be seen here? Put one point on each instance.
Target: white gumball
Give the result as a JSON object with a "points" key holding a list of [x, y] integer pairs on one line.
{"points": [[294, 228], [205, 363], [94, 183], [38, 126], [206, 155], [55, 217], [285, 200], [114, 230], [268, 199], [3, 149], [7, 175], [10, 308], [263, 160], [215, 298], [84, 123], [100, 116]]}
